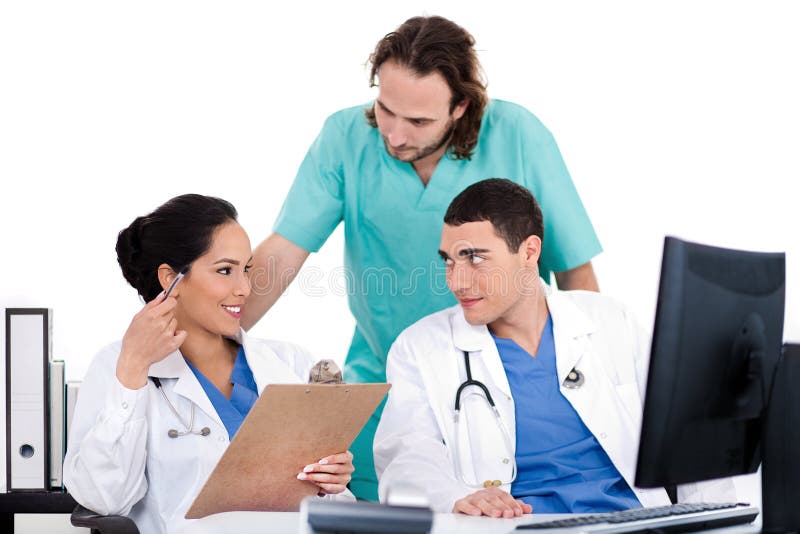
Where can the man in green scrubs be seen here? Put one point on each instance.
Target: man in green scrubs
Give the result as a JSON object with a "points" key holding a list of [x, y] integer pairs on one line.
{"points": [[389, 169]]}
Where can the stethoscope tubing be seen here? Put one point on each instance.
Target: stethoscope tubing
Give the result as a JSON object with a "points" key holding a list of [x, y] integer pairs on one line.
{"points": [[470, 382], [173, 433], [456, 417]]}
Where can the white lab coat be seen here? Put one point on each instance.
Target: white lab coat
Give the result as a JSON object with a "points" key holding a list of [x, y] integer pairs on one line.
{"points": [[592, 332], [120, 460]]}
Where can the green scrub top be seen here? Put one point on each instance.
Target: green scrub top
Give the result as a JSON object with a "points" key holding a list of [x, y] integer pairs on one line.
{"points": [[393, 223]]}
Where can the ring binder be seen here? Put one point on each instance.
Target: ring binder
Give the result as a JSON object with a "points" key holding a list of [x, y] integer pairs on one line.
{"points": [[28, 349], [57, 423]]}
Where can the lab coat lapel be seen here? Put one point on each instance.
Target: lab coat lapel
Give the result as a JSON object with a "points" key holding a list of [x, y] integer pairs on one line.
{"points": [[187, 385], [169, 367], [476, 339], [571, 330], [266, 366], [597, 402], [488, 443]]}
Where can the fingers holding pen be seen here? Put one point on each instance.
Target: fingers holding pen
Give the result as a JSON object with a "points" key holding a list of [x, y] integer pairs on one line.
{"points": [[152, 335]]}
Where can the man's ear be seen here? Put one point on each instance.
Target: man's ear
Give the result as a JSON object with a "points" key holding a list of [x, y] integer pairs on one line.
{"points": [[165, 277], [460, 109], [532, 249]]}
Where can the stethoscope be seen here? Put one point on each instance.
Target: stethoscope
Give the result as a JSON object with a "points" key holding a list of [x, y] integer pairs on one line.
{"points": [[574, 380], [498, 420], [173, 433]]}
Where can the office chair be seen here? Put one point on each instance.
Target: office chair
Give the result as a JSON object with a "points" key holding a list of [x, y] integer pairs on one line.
{"points": [[102, 524]]}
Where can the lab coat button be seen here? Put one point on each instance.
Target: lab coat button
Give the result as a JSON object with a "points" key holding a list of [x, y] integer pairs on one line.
{"points": [[505, 460], [124, 405], [603, 435]]}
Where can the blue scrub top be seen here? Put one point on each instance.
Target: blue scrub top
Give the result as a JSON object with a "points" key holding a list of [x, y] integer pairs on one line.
{"points": [[245, 393], [561, 467]]}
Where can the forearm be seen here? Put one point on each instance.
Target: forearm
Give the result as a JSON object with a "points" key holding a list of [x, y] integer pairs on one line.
{"points": [[581, 277], [105, 464], [433, 476], [276, 262], [409, 449]]}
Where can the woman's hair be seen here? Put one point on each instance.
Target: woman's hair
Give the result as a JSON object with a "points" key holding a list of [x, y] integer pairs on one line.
{"points": [[176, 233], [435, 44]]}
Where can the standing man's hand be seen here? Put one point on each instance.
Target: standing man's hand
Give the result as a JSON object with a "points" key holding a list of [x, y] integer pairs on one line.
{"points": [[492, 502]]}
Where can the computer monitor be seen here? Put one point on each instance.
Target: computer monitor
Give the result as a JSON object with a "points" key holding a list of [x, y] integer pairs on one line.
{"points": [[716, 343]]}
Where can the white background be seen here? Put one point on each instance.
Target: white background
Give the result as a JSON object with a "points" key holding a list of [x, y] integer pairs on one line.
{"points": [[677, 118]]}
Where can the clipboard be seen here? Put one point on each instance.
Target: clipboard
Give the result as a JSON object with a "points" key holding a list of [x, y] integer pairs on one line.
{"points": [[289, 427]]}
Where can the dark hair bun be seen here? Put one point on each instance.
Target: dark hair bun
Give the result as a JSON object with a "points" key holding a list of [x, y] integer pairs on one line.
{"points": [[129, 248], [176, 233]]}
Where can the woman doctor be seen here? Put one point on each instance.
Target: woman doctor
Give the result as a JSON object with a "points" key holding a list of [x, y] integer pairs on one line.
{"points": [[157, 409]]}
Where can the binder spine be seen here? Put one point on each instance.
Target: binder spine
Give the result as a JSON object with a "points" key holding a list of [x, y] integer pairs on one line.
{"points": [[28, 347], [72, 389], [57, 417]]}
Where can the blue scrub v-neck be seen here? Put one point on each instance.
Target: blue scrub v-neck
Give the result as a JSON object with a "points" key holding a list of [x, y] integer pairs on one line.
{"points": [[561, 467], [245, 393]]}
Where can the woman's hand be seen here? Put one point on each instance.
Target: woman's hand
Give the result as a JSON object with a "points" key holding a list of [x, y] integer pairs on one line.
{"points": [[331, 473], [151, 337], [493, 502]]}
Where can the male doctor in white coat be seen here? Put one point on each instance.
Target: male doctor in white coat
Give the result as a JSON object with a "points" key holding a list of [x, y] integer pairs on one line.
{"points": [[566, 371]]}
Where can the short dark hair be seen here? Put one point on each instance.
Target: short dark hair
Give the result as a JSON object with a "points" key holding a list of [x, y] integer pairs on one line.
{"points": [[176, 233], [436, 44], [511, 208]]}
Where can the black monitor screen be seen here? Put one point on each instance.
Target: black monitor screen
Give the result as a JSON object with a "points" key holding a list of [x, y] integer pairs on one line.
{"points": [[716, 342]]}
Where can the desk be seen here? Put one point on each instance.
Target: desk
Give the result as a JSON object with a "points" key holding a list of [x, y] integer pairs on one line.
{"points": [[289, 523], [34, 502]]}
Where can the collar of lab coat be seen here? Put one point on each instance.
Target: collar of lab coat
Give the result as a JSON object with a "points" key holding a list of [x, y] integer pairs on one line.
{"points": [[265, 364], [571, 330]]}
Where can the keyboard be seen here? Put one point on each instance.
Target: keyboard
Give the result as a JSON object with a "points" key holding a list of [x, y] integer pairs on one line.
{"points": [[682, 517]]}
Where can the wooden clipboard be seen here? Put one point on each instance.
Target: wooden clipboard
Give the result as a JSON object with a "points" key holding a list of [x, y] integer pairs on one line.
{"points": [[289, 427]]}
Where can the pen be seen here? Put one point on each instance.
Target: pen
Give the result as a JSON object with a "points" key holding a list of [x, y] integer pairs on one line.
{"points": [[175, 282]]}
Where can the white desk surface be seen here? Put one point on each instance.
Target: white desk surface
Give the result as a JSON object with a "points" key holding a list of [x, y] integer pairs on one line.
{"points": [[289, 523]]}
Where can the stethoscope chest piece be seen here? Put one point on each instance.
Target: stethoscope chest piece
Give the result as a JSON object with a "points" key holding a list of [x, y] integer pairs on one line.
{"points": [[172, 432], [574, 380]]}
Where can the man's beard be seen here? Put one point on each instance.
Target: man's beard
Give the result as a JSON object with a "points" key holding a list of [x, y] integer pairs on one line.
{"points": [[430, 149]]}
